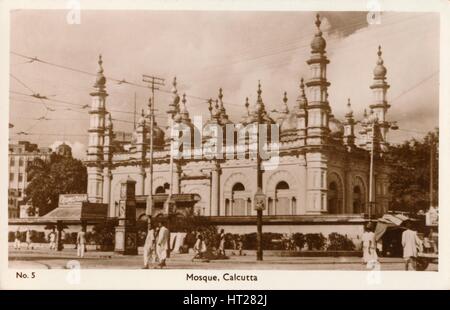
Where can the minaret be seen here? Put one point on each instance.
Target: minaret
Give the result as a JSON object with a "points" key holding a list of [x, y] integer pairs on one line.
{"points": [[301, 112], [318, 107], [379, 103], [107, 157], [96, 132], [349, 126], [318, 130]]}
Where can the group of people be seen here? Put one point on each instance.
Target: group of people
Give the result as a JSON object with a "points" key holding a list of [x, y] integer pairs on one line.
{"points": [[17, 239], [411, 244], [201, 249], [156, 246]]}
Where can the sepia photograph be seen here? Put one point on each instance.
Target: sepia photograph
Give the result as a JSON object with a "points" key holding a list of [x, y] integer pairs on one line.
{"points": [[230, 140]]}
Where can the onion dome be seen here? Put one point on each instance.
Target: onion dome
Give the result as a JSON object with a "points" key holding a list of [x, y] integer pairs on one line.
{"points": [[184, 111], [349, 113], [260, 110], [141, 121], [64, 150], [284, 111], [302, 102], [336, 127], [223, 116], [380, 70], [245, 117], [100, 81], [158, 136], [318, 44], [174, 106]]}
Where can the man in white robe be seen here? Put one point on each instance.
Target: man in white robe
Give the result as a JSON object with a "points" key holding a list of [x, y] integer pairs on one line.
{"points": [[410, 243], [149, 247], [162, 244]]}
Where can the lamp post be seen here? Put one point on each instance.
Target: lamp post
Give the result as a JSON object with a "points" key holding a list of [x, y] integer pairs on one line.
{"points": [[374, 122], [260, 198]]}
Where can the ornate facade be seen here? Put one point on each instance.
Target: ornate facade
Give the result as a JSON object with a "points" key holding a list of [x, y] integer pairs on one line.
{"points": [[323, 167]]}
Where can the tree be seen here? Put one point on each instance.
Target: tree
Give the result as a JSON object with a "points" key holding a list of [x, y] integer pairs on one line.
{"points": [[50, 178], [410, 178]]}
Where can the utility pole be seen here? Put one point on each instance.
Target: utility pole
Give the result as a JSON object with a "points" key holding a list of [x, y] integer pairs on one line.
{"points": [[134, 114], [154, 82], [371, 200], [432, 155]]}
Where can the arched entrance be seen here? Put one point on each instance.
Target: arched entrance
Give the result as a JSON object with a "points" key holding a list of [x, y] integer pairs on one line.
{"points": [[359, 196], [238, 200], [335, 194], [282, 199]]}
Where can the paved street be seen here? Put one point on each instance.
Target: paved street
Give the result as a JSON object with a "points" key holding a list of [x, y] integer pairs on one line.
{"points": [[44, 259]]}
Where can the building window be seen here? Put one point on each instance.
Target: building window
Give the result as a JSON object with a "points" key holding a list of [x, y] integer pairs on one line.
{"points": [[11, 177], [20, 162], [20, 177], [12, 161]]}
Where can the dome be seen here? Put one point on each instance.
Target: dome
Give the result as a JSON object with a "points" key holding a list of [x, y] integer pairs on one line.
{"points": [[289, 123], [100, 81], [380, 70], [336, 127], [64, 150], [318, 44]]}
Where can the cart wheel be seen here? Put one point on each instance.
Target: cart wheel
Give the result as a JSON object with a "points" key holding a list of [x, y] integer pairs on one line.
{"points": [[421, 264]]}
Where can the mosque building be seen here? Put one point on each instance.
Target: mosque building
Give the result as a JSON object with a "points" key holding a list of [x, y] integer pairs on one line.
{"points": [[321, 181]]}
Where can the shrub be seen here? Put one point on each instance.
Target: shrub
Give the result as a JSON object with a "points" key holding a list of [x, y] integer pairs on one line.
{"points": [[103, 234], [338, 242], [299, 240], [315, 241]]}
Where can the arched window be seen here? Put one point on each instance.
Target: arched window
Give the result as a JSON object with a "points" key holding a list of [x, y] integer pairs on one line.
{"points": [[333, 198], [238, 200], [357, 200], [283, 204]]}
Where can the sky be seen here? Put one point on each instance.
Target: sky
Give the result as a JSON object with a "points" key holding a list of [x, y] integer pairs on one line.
{"points": [[206, 51]]}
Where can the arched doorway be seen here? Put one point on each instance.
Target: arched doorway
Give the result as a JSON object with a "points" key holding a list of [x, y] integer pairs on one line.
{"points": [[282, 199], [357, 200], [333, 198], [238, 200], [335, 194]]}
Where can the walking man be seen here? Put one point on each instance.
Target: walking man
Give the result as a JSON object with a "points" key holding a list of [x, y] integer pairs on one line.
{"points": [[52, 238], [17, 239], [149, 247], [28, 239], [81, 242], [162, 244], [410, 243], [222, 242]]}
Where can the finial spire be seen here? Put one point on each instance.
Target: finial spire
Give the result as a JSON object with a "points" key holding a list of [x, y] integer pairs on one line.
{"points": [[220, 94], [100, 63], [379, 51], [349, 113], [174, 85], [247, 105], [318, 22], [210, 108], [285, 99], [259, 89]]}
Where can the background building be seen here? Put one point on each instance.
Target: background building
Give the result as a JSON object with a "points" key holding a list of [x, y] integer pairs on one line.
{"points": [[20, 154]]}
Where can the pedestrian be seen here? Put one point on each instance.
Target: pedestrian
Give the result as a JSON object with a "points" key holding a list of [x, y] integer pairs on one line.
{"points": [[222, 242], [369, 245], [150, 247], [199, 248], [28, 239], [410, 243], [17, 239], [162, 244], [81, 242], [52, 239], [240, 245]]}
